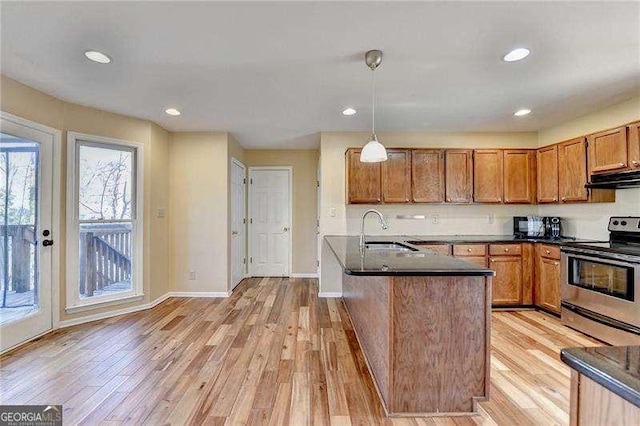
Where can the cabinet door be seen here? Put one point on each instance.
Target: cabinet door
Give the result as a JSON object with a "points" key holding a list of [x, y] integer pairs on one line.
{"points": [[396, 176], [548, 288], [572, 175], [427, 175], [608, 151], [487, 176], [364, 181], [507, 284], [547, 159], [633, 136], [519, 176], [459, 175]]}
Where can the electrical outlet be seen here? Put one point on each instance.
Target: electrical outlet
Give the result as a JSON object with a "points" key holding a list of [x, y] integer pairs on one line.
{"points": [[491, 218], [191, 274], [435, 219], [332, 212], [160, 213]]}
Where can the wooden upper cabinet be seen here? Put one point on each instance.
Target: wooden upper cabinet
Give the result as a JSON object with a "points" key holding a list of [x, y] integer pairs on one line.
{"points": [[427, 175], [364, 180], [487, 176], [519, 176], [572, 174], [608, 151], [547, 160], [633, 140], [459, 175], [396, 176]]}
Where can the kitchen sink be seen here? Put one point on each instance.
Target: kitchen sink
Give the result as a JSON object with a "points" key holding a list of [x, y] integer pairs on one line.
{"points": [[387, 246]]}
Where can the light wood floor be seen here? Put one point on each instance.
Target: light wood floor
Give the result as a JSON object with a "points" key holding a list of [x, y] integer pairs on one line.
{"points": [[272, 353]]}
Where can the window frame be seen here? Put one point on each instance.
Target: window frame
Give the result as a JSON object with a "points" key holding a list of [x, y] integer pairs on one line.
{"points": [[73, 301]]}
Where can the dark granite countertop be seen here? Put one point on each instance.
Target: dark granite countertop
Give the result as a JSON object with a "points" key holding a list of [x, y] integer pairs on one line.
{"points": [[617, 368], [408, 263], [454, 239]]}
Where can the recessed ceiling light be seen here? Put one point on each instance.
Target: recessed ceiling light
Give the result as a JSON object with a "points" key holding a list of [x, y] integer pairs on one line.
{"points": [[516, 55], [172, 111], [349, 111], [95, 56], [521, 112]]}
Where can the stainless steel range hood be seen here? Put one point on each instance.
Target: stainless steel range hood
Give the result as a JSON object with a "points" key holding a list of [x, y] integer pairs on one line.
{"points": [[630, 179]]}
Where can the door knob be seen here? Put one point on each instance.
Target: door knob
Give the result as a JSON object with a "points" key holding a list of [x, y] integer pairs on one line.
{"points": [[46, 233], [285, 229], [47, 243]]}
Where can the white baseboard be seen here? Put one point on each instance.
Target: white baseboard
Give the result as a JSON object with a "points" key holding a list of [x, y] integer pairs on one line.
{"points": [[199, 294], [304, 275], [129, 310], [330, 294]]}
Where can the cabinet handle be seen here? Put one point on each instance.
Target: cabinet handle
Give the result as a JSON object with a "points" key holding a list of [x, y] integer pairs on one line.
{"points": [[555, 263], [622, 164], [548, 251], [635, 162], [499, 200], [493, 260], [379, 200], [564, 199], [555, 199], [506, 250], [469, 250], [448, 199]]}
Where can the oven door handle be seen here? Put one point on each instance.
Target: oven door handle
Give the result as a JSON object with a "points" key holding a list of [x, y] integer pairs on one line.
{"points": [[607, 259], [604, 320]]}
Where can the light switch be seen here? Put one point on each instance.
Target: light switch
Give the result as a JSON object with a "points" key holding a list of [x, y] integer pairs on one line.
{"points": [[160, 213], [332, 212]]}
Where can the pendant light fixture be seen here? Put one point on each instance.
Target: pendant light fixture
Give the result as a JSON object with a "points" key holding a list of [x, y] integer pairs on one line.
{"points": [[373, 151]]}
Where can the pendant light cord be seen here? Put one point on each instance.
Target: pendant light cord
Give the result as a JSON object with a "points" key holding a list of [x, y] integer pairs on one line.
{"points": [[373, 101]]}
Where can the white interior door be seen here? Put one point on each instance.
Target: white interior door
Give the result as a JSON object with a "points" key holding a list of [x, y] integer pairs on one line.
{"points": [[238, 222], [270, 223], [26, 234]]}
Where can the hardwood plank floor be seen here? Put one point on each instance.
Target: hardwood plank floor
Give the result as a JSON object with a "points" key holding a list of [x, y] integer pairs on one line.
{"points": [[272, 354]]}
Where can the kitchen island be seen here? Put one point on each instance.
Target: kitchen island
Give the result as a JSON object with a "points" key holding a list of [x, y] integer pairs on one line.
{"points": [[422, 320]]}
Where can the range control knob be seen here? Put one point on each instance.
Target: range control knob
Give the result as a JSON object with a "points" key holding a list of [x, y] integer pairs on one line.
{"points": [[623, 223], [615, 222]]}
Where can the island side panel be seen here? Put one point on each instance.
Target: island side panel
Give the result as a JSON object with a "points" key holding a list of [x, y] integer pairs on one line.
{"points": [[440, 343], [367, 301]]}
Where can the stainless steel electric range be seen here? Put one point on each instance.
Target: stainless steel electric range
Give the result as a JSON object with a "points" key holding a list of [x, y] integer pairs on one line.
{"points": [[601, 284]]}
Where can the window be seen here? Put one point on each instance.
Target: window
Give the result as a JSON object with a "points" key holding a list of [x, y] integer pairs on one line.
{"points": [[104, 221]]}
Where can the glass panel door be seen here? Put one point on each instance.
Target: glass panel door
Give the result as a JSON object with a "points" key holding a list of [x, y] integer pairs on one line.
{"points": [[615, 280], [19, 165], [26, 236]]}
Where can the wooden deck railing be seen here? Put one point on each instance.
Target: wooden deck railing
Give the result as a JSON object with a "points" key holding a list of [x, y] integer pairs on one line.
{"points": [[105, 256], [21, 238]]}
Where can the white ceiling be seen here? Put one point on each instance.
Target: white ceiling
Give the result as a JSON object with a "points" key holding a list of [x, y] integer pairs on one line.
{"points": [[275, 74]]}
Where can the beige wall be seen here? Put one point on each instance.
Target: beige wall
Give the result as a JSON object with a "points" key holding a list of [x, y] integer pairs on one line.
{"points": [[592, 221], [198, 211], [303, 228], [28, 103]]}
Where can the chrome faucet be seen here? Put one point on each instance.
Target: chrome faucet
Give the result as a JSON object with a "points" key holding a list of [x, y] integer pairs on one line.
{"points": [[383, 224]]}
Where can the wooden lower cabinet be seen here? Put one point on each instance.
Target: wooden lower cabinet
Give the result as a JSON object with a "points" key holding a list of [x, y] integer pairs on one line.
{"points": [[593, 405], [438, 248], [507, 284], [547, 291], [513, 265]]}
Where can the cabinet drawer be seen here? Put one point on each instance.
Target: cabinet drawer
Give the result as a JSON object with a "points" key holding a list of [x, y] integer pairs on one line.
{"points": [[438, 248], [469, 250], [550, 252], [505, 249]]}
